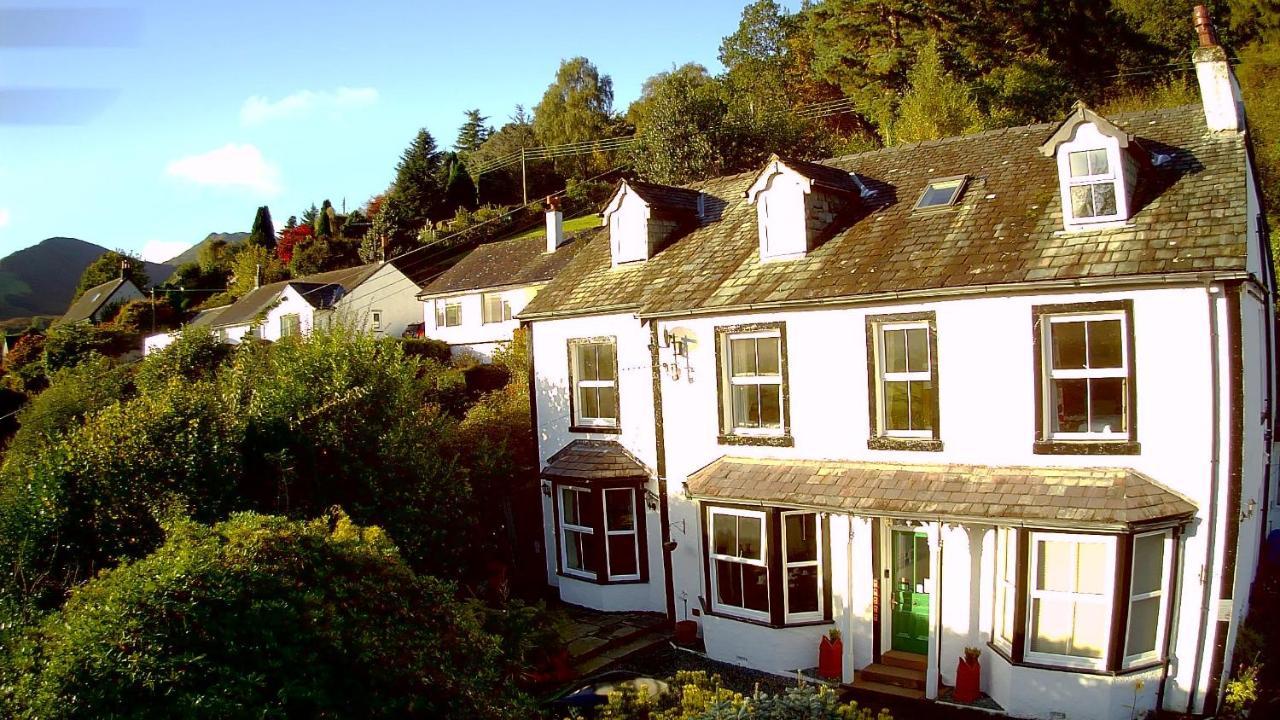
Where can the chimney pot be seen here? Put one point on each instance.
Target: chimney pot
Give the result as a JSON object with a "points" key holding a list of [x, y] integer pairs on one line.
{"points": [[1204, 27]]}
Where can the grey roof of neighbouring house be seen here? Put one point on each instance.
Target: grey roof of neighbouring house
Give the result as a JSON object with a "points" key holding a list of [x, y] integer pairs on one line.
{"points": [[1189, 218], [92, 300], [1063, 496], [520, 261], [207, 318], [320, 290]]}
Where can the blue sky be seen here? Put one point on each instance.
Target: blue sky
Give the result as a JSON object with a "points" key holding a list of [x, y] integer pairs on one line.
{"points": [[218, 107]]}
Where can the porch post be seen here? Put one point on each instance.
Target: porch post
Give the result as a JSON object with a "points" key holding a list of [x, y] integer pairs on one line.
{"points": [[933, 531]]}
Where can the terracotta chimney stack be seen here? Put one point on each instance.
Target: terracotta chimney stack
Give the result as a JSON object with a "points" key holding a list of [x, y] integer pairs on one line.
{"points": [[1219, 91], [1204, 27]]}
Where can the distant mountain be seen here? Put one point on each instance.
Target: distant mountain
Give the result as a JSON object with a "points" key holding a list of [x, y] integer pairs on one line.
{"points": [[193, 252], [41, 279]]}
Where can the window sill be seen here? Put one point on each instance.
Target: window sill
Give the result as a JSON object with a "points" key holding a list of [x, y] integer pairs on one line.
{"points": [[765, 623], [1151, 665], [884, 442], [1086, 447], [765, 440], [607, 429], [597, 581]]}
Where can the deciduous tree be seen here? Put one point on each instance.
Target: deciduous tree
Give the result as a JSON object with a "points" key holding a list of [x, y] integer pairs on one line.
{"points": [[109, 266]]}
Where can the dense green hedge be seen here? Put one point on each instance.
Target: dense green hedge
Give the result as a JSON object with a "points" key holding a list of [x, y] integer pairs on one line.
{"points": [[261, 617]]}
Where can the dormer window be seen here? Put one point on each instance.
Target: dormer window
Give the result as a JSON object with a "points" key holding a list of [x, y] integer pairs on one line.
{"points": [[1093, 185], [941, 193], [1096, 169], [642, 217], [795, 202]]}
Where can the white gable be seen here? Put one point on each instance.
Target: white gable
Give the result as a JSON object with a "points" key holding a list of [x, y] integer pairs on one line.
{"points": [[627, 217]]}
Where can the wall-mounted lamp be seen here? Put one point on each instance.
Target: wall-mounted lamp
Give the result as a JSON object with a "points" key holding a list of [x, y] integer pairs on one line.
{"points": [[679, 345], [650, 499], [1249, 509], [546, 488]]}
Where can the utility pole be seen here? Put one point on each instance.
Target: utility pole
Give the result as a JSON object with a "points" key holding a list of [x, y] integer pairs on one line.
{"points": [[153, 310], [524, 180]]}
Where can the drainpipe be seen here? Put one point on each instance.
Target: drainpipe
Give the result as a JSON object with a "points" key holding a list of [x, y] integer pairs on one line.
{"points": [[1215, 441], [660, 457]]}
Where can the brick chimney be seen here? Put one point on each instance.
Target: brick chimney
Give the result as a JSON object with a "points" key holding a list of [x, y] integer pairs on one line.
{"points": [[1219, 91], [555, 224]]}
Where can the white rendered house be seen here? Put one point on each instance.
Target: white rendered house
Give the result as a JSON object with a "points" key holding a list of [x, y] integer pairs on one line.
{"points": [[1009, 391], [376, 298], [95, 304], [472, 306]]}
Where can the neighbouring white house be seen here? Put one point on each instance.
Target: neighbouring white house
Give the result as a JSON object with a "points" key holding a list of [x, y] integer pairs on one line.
{"points": [[1010, 391], [472, 305], [377, 298], [98, 302]]}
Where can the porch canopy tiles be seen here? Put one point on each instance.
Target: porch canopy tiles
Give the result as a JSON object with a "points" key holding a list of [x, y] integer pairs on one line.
{"points": [[1096, 498], [593, 460]]}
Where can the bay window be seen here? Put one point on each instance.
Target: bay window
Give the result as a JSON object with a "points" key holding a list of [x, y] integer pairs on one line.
{"points": [[1086, 378], [767, 565], [753, 383], [903, 381], [1073, 600], [601, 531], [593, 373], [1070, 598]]}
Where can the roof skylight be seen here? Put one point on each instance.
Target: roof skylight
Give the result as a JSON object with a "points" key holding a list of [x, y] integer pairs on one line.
{"points": [[940, 193]]}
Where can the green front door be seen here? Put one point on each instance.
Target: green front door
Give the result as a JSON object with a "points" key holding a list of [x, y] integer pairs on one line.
{"points": [[911, 588]]}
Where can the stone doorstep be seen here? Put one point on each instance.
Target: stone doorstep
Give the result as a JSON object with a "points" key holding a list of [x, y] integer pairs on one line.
{"points": [[603, 657], [892, 675], [622, 635]]}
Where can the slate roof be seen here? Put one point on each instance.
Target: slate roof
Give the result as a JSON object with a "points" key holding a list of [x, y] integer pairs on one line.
{"points": [[1006, 228], [91, 301], [666, 196], [207, 318], [320, 290], [594, 460], [520, 261], [1115, 498]]}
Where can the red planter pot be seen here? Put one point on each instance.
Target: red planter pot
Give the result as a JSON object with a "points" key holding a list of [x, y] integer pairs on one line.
{"points": [[686, 632], [968, 680], [831, 659]]}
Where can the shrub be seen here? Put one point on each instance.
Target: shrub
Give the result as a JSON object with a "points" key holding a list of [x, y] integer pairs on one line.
{"points": [[73, 394], [195, 354], [71, 344], [88, 500], [428, 348], [145, 317], [695, 696], [262, 617]]}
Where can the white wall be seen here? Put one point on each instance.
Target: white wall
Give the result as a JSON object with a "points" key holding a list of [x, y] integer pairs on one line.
{"points": [[287, 302], [387, 290], [636, 433], [474, 336], [160, 341]]}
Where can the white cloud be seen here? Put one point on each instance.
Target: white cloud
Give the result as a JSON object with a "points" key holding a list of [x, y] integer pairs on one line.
{"points": [[232, 166], [4, 217], [257, 109], [157, 251]]}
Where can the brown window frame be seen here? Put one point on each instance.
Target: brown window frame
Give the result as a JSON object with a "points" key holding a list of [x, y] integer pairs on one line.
{"points": [[1114, 661], [877, 438], [727, 436], [597, 489], [574, 424], [774, 562], [1044, 443]]}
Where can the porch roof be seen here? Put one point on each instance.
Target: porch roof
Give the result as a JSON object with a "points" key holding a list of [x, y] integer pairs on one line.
{"points": [[594, 460], [1114, 498]]}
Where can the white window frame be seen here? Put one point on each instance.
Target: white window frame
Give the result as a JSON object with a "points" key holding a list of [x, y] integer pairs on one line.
{"points": [[609, 532], [1051, 374], [442, 313], [1162, 618], [731, 380], [375, 320], [576, 382], [1006, 583], [1106, 599], [799, 617], [713, 557], [884, 376], [1088, 137], [567, 527], [504, 313], [297, 330]]}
